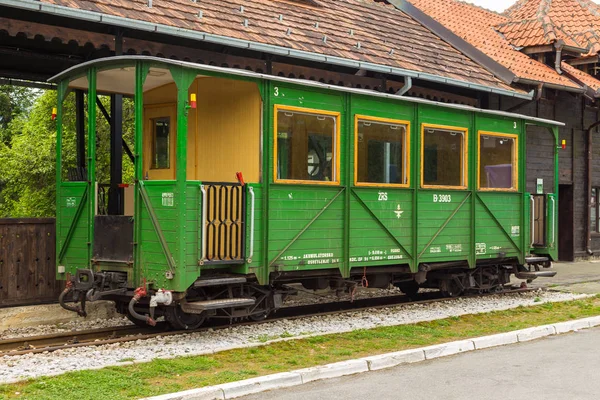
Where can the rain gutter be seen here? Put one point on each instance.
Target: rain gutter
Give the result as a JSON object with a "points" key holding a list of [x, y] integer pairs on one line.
{"points": [[101, 18], [588, 91], [549, 85]]}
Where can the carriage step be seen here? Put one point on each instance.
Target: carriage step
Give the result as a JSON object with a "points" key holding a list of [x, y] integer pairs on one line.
{"points": [[536, 260], [220, 281], [200, 306], [530, 275]]}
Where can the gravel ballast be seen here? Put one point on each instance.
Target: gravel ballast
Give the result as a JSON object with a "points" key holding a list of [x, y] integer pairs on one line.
{"points": [[14, 368]]}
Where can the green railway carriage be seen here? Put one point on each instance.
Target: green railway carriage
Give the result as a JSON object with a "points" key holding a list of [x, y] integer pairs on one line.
{"points": [[244, 183]]}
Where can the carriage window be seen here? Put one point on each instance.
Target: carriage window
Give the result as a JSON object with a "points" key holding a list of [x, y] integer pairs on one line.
{"points": [[306, 146], [381, 152], [497, 161], [444, 157], [160, 143]]}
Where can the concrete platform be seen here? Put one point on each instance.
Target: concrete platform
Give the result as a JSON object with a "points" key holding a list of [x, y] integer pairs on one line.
{"points": [[51, 314], [577, 277]]}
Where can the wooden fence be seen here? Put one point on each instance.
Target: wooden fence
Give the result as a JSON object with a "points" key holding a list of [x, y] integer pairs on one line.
{"points": [[28, 261]]}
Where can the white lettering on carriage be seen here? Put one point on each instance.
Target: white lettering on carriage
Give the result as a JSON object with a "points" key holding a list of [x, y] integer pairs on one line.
{"points": [[480, 248], [167, 199]]}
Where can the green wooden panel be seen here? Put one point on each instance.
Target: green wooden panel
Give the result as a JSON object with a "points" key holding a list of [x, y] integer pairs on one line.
{"points": [[498, 225], [310, 238], [444, 225], [153, 263], [72, 229], [381, 223]]}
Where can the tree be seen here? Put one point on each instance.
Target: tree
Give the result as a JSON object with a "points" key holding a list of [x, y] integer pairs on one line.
{"points": [[28, 159], [14, 101], [27, 162]]}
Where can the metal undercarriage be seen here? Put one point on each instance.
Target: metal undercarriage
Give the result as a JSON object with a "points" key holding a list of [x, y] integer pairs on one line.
{"points": [[232, 296]]}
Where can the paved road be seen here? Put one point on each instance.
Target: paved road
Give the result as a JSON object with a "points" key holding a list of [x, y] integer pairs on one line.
{"points": [[565, 367]]}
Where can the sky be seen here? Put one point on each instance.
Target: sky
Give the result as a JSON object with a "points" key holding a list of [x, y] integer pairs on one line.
{"points": [[498, 5]]}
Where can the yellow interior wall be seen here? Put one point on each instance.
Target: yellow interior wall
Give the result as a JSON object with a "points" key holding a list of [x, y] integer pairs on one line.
{"points": [[228, 130], [223, 132]]}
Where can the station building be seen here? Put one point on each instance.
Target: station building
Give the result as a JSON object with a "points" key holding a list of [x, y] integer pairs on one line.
{"points": [[538, 59]]}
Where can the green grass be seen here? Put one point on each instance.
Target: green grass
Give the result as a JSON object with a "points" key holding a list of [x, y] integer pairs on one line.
{"points": [[164, 376]]}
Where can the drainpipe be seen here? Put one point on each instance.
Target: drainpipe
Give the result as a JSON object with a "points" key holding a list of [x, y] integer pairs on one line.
{"points": [[407, 86], [588, 227], [559, 47]]}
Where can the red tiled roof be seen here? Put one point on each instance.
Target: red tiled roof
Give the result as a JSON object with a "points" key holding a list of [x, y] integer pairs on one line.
{"points": [[360, 30], [535, 32], [579, 18], [476, 26], [584, 78]]}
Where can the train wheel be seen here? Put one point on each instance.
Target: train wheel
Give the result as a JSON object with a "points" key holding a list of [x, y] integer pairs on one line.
{"points": [[182, 320], [410, 288], [259, 317], [451, 288]]}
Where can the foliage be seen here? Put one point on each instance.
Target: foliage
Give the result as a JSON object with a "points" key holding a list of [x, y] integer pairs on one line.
{"points": [[27, 162], [14, 101], [28, 151]]}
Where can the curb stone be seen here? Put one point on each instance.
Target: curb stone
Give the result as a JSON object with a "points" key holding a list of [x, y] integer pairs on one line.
{"points": [[537, 332], [373, 363], [394, 359], [448, 349], [499, 339], [207, 393], [260, 384], [333, 370]]}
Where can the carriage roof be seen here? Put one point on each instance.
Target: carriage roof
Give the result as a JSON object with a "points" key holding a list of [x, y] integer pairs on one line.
{"points": [[124, 80]]}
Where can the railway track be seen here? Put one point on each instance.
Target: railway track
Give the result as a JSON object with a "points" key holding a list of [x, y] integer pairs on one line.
{"points": [[127, 333]]}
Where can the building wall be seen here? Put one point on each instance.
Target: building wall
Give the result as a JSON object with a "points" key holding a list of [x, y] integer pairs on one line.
{"points": [[578, 114]]}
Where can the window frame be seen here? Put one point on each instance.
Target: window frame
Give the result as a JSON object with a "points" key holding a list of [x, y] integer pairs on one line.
{"points": [[406, 147], [515, 160], [464, 156], [153, 143], [336, 142]]}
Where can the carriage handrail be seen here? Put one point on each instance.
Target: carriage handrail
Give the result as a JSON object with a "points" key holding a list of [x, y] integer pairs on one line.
{"points": [[532, 234], [251, 252], [553, 220], [203, 190]]}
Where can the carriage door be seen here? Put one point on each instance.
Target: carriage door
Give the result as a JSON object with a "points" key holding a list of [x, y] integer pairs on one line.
{"points": [[538, 220], [160, 140]]}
